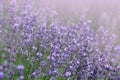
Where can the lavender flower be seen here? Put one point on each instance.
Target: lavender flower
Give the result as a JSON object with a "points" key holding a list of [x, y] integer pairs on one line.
{"points": [[51, 49], [20, 69], [2, 75]]}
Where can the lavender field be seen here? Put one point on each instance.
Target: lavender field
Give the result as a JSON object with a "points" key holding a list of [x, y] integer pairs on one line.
{"points": [[49, 41]]}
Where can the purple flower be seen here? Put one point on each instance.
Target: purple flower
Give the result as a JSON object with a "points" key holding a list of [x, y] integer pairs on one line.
{"points": [[39, 54], [21, 77], [67, 74], [2, 75], [20, 69]]}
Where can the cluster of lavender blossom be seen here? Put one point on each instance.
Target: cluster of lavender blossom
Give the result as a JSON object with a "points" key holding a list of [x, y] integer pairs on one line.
{"points": [[37, 45]]}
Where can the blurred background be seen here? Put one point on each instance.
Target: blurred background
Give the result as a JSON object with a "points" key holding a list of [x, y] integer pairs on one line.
{"points": [[102, 12]]}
